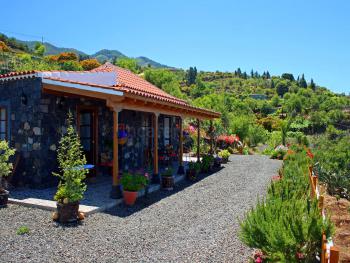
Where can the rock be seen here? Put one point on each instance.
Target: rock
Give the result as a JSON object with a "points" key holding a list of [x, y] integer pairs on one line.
{"points": [[36, 146], [44, 108], [37, 131], [53, 147], [26, 126]]}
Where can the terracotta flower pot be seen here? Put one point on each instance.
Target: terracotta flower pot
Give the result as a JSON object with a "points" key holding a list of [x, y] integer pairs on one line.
{"points": [[129, 197], [68, 213], [4, 196]]}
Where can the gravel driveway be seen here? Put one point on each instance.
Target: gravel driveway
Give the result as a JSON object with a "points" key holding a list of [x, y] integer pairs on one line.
{"points": [[196, 223]]}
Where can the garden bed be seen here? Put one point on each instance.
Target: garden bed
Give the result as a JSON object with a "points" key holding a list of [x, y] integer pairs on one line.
{"points": [[340, 215]]}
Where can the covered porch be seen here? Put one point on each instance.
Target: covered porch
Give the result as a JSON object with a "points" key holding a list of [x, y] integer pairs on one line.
{"points": [[126, 127]]}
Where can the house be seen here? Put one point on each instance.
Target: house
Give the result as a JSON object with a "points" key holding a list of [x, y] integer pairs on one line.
{"points": [[105, 102]]}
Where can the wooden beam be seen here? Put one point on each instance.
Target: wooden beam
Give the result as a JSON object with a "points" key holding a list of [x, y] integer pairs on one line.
{"points": [[334, 255], [198, 139], [155, 148], [181, 150], [115, 148]]}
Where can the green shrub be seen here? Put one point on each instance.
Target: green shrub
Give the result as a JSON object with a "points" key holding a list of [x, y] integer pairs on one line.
{"points": [[287, 222], [5, 166], [71, 162], [224, 154], [22, 230]]}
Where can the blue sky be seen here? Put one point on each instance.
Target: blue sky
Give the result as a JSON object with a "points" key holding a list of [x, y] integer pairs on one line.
{"points": [[311, 37]]}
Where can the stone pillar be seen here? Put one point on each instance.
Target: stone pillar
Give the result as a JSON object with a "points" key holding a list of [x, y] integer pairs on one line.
{"points": [[116, 191], [155, 177], [181, 169], [198, 140]]}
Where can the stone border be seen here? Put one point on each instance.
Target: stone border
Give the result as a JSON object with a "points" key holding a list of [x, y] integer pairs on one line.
{"points": [[86, 209]]}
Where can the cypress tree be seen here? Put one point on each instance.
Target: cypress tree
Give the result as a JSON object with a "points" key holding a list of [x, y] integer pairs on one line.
{"points": [[302, 82], [312, 85]]}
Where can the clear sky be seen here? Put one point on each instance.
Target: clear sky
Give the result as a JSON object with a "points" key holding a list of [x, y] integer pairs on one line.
{"points": [[299, 36]]}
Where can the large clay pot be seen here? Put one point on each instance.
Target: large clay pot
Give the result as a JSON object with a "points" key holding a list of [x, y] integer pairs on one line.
{"points": [[68, 213], [168, 182], [129, 197], [4, 196]]}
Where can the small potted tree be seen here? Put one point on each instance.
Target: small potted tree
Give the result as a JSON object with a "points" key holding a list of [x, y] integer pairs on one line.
{"points": [[5, 170], [168, 179], [207, 163], [71, 187], [132, 183]]}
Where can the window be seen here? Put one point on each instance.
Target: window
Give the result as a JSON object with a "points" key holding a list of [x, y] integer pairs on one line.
{"points": [[166, 131], [3, 124]]}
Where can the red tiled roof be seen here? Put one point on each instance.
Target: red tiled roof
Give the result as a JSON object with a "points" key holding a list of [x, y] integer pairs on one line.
{"points": [[130, 82], [127, 82]]}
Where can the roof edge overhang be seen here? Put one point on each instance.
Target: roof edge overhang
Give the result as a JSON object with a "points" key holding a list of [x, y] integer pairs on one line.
{"points": [[83, 87]]}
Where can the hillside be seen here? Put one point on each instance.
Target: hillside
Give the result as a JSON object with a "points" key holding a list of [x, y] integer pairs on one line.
{"points": [[102, 55]]}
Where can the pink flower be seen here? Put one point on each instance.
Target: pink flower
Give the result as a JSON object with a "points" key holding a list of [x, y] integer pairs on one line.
{"points": [[258, 260]]}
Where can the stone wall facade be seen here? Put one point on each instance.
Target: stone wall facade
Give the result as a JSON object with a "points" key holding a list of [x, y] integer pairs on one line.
{"points": [[37, 123]]}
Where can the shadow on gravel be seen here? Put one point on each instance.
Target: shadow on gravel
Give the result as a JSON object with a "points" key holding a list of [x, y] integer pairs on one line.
{"points": [[143, 202]]}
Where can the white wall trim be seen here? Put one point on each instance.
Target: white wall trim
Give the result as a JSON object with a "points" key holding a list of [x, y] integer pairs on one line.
{"points": [[82, 87]]}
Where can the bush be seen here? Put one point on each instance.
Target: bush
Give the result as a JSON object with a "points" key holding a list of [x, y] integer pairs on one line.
{"points": [[5, 166], [4, 47], [89, 64], [71, 162], [287, 225], [224, 154], [22, 230], [71, 65]]}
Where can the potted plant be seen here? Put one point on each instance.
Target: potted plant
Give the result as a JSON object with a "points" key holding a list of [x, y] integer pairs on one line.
{"points": [[167, 179], [207, 163], [224, 154], [193, 170], [122, 137], [71, 187], [5, 170], [132, 183]]}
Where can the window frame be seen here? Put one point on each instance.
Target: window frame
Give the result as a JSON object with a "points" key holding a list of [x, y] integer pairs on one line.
{"points": [[6, 120]]}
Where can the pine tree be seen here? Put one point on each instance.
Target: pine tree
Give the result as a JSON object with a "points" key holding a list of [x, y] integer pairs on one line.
{"points": [[252, 73], [302, 82], [239, 72], [312, 85], [268, 75]]}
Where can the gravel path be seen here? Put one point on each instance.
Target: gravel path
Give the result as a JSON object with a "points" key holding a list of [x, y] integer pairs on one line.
{"points": [[196, 223]]}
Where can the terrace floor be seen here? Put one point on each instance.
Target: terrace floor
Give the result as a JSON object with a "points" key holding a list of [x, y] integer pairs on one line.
{"points": [[197, 222]]}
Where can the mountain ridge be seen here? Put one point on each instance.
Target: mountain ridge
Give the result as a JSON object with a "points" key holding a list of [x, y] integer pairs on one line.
{"points": [[102, 55]]}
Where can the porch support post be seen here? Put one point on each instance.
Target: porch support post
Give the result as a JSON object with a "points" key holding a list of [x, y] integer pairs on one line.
{"points": [[181, 169], [211, 136], [155, 177], [116, 191], [198, 140]]}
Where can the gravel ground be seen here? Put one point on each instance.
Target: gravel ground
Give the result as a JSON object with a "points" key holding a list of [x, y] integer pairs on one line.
{"points": [[197, 222]]}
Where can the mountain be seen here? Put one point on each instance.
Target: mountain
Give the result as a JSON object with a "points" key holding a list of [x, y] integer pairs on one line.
{"points": [[144, 62], [106, 54], [51, 49], [102, 55]]}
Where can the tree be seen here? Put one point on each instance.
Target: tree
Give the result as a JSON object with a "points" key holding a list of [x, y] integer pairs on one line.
{"points": [[288, 76], [282, 88], [312, 85], [71, 161], [268, 75], [39, 49], [90, 64], [302, 82], [5, 165], [191, 76], [4, 47], [71, 65], [128, 63]]}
